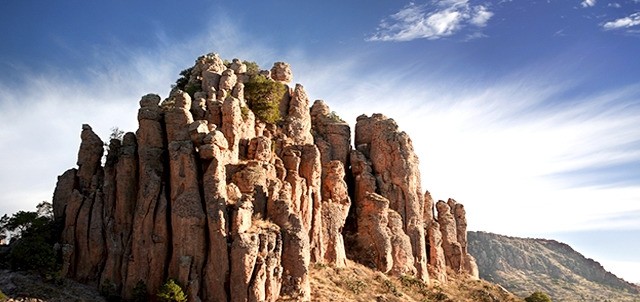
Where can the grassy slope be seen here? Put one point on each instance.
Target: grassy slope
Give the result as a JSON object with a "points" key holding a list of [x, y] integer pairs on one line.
{"points": [[359, 283]]}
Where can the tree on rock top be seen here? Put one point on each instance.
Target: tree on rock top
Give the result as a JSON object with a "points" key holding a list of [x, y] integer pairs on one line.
{"points": [[263, 96]]}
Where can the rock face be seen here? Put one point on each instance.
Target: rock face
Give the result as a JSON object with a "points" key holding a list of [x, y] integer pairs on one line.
{"points": [[236, 209], [394, 166]]}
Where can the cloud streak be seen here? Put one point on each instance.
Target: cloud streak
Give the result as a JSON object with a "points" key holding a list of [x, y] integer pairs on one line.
{"points": [[588, 3], [42, 112], [433, 20], [504, 149], [623, 23]]}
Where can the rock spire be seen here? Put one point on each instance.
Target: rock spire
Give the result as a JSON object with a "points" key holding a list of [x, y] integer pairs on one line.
{"points": [[235, 208]]}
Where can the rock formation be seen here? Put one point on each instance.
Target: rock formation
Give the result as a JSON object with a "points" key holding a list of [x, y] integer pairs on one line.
{"points": [[236, 209], [394, 166]]}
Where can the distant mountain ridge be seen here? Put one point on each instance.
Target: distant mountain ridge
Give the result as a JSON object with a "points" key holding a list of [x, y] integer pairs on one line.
{"points": [[524, 265]]}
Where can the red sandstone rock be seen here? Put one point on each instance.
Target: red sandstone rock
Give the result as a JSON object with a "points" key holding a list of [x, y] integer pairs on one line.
{"points": [[395, 167], [335, 208], [237, 211], [450, 244]]}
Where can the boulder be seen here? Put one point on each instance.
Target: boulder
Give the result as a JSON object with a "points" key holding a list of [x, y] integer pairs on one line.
{"points": [[281, 72]]}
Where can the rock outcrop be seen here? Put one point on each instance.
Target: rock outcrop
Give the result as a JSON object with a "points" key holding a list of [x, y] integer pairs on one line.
{"points": [[234, 208], [394, 166], [525, 265]]}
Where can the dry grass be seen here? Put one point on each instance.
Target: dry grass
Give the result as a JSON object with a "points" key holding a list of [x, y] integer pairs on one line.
{"points": [[359, 283]]}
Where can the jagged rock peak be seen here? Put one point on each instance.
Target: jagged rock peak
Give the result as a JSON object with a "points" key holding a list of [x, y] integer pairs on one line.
{"points": [[234, 205]]}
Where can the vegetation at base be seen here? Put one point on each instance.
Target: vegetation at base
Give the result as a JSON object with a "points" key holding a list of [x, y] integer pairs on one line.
{"points": [[171, 292], [538, 297], [263, 97], [356, 286], [33, 235], [3, 297], [140, 292], [109, 291]]}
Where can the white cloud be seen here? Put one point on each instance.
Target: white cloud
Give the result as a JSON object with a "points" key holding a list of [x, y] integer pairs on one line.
{"points": [[614, 4], [504, 149], [588, 3], [41, 118], [626, 22], [481, 16], [431, 21]]}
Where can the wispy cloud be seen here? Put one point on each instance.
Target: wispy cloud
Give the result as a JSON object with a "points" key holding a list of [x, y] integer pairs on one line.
{"points": [[41, 113], [622, 23], [432, 20], [504, 148], [588, 3]]}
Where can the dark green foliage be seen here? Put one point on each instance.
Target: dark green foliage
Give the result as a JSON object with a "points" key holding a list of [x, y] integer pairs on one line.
{"points": [[171, 292], [538, 297], [252, 68], [109, 291], [245, 112], [32, 253], [3, 297], [191, 89], [140, 292], [263, 96], [33, 235], [181, 82]]}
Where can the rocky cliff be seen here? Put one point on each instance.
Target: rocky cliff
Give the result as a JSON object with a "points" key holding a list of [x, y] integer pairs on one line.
{"points": [[235, 205], [525, 265]]}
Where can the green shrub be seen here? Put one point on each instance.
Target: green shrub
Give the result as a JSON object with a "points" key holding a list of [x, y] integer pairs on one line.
{"points": [[109, 291], [171, 292], [245, 112], [538, 297], [356, 286], [335, 117], [140, 292], [192, 88], [181, 82], [263, 96], [3, 297], [33, 253], [252, 68]]}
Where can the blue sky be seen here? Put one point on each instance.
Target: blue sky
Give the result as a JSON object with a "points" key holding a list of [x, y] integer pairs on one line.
{"points": [[528, 112]]}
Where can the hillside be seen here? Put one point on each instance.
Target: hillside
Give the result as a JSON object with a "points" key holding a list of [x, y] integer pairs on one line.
{"points": [[349, 284], [524, 265]]}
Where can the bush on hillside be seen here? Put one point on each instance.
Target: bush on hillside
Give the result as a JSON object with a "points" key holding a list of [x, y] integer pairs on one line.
{"points": [[538, 297]]}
